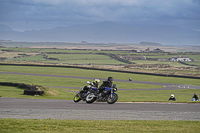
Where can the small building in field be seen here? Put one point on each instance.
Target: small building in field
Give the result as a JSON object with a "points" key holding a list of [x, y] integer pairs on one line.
{"points": [[157, 50], [183, 59], [133, 51]]}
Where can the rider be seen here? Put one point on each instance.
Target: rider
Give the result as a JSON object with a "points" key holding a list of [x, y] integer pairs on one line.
{"points": [[196, 97], [107, 83], [172, 98], [94, 83]]}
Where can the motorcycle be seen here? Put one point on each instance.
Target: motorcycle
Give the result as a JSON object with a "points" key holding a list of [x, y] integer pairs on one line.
{"points": [[194, 99], [83, 92], [107, 95]]}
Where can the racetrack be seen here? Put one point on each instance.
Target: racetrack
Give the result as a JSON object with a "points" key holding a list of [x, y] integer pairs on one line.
{"points": [[67, 109]]}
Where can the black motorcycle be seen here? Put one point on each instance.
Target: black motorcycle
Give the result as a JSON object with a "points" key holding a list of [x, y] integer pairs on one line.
{"points": [[107, 95], [83, 92]]}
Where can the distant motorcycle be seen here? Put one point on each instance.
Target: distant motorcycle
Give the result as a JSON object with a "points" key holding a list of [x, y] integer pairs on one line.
{"points": [[108, 95], [83, 92]]}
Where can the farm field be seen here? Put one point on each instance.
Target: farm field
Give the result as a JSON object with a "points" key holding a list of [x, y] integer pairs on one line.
{"points": [[92, 58], [70, 59]]}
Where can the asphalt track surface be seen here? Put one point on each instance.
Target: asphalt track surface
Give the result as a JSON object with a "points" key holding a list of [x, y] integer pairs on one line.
{"points": [[67, 109]]}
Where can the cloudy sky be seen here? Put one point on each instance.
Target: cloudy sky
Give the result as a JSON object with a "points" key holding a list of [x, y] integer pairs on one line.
{"points": [[21, 15]]}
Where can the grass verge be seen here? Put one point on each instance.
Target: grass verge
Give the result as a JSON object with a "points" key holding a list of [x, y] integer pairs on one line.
{"points": [[182, 96], [90, 126]]}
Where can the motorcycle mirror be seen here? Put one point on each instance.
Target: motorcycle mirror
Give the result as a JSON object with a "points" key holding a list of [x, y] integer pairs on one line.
{"points": [[114, 86]]}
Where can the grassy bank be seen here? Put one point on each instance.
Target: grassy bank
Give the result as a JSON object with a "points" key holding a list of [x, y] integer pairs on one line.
{"points": [[183, 95]]}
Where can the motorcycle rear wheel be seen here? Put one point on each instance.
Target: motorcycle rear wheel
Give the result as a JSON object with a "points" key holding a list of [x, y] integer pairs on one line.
{"points": [[90, 98], [76, 98], [113, 99]]}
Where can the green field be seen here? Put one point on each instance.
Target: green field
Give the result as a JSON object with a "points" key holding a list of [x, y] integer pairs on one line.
{"points": [[183, 95], [68, 56], [70, 59], [97, 74], [175, 64]]}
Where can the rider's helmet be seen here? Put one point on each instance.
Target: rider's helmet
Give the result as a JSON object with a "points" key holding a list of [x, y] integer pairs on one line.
{"points": [[195, 94], [110, 79], [96, 82], [172, 95]]}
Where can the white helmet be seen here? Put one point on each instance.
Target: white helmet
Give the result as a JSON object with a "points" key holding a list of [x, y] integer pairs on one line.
{"points": [[172, 95]]}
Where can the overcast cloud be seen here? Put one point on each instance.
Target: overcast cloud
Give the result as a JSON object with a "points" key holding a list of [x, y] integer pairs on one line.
{"points": [[43, 14]]}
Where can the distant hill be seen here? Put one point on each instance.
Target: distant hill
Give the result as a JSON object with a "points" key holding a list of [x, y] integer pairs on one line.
{"points": [[150, 43], [107, 32], [5, 28]]}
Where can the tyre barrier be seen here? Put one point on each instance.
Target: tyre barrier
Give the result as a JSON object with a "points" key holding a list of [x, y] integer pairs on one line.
{"points": [[33, 92], [29, 89]]}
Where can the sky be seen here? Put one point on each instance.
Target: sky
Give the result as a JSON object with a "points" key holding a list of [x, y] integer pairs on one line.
{"points": [[23, 15]]}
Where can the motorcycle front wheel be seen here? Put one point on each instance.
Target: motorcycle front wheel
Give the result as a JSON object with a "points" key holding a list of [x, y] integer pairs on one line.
{"points": [[90, 98], [113, 99], [76, 98]]}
